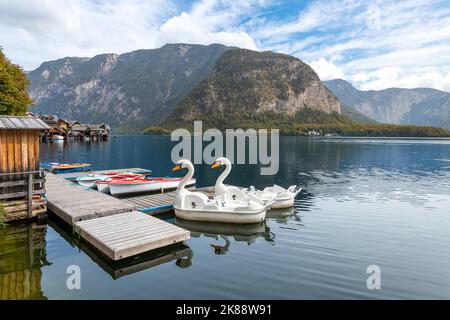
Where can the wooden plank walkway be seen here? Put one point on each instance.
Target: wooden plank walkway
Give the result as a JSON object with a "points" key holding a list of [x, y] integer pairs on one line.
{"points": [[153, 204], [159, 203], [73, 203], [124, 267], [127, 234]]}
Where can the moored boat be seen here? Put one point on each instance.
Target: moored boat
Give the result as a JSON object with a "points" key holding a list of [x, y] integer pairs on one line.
{"points": [[102, 185], [56, 167], [89, 180], [139, 185], [280, 197], [57, 137], [196, 206]]}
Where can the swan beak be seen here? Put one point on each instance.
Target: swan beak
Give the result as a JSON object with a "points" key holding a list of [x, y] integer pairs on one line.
{"points": [[216, 165], [177, 167]]}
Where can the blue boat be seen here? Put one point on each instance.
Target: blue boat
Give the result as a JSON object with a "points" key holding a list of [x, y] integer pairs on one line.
{"points": [[56, 167]]}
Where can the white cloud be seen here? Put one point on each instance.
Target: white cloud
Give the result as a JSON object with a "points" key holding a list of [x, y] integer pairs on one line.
{"points": [[396, 77], [363, 40], [326, 69], [374, 44], [190, 29], [35, 31]]}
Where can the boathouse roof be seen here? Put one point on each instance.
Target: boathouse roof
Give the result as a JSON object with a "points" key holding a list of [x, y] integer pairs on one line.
{"points": [[22, 123]]}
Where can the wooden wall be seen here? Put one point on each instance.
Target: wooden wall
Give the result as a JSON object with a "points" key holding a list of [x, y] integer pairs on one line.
{"points": [[19, 150]]}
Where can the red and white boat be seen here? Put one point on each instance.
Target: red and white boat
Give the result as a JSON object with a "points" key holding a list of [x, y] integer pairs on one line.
{"points": [[102, 185], [118, 186]]}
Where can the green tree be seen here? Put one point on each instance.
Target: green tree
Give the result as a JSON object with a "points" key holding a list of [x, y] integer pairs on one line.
{"points": [[14, 98]]}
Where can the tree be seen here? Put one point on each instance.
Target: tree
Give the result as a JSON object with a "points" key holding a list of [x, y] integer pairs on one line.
{"points": [[14, 98]]}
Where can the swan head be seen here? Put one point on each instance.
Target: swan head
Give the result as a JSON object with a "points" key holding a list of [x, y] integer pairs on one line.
{"points": [[221, 161], [183, 164]]}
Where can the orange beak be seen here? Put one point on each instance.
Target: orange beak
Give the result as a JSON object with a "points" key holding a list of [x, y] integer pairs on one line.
{"points": [[216, 165], [177, 167]]}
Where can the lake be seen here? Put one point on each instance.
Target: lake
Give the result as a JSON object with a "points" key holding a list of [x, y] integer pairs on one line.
{"points": [[366, 202]]}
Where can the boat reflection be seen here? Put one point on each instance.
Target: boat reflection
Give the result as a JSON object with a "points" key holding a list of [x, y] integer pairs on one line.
{"points": [[248, 233], [179, 252], [281, 215], [22, 255]]}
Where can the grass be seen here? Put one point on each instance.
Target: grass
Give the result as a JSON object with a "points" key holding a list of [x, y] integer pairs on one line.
{"points": [[2, 216]]}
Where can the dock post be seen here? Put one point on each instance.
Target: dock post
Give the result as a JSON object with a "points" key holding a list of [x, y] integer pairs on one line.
{"points": [[30, 195]]}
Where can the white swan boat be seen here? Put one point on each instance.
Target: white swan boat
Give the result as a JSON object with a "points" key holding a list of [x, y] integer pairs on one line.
{"points": [[279, 196], [196, 206]]}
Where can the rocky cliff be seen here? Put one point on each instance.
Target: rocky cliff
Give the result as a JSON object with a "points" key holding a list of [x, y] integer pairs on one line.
{"points": [[246, 82], [129, 90]]}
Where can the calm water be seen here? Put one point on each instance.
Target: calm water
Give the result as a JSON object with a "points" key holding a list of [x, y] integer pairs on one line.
{"points": [[365, 202]]}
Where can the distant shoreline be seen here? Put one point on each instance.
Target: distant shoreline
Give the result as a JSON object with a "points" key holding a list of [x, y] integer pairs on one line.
{"points": [[380, 138], [322, 137]]}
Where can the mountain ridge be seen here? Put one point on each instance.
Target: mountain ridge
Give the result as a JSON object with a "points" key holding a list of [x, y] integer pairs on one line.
{"points": [[127, 89], [140, 88], [244, 81], [416, 106]]}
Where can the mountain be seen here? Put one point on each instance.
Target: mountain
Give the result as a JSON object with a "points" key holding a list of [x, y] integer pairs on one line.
{"points": [[134, 89], [250, 85], [357, 116], [421, 106]]}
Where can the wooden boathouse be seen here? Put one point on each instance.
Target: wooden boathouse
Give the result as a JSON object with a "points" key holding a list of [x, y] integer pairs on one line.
{"points": [[22, 184]]}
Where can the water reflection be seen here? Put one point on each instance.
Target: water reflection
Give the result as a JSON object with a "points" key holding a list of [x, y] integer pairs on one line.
{"points": [[364, 202], [280, 215], [22, 255], [248, 233]]}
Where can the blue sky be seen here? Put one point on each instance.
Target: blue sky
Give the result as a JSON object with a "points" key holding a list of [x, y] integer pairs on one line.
{"points": [[373, 44]]}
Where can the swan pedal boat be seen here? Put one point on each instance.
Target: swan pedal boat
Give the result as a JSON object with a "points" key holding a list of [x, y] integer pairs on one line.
{"points": [[196, 206], [280, 197]]}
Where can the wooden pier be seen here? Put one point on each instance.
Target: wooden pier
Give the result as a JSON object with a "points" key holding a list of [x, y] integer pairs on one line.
{"points": [[73, 203], [114, 226], [153, 204], [124, 267]]}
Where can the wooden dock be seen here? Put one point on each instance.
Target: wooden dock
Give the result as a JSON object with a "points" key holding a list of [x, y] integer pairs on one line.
{"points": [[73, 203], [119, 268], [153, 204], [112, 225], [128, 234]]}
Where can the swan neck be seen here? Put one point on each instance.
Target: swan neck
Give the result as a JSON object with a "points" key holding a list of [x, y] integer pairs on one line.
{"points": [[187, 177], [224, 174]]}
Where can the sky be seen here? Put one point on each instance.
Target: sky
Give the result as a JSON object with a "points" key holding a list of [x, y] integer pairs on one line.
{"points": [[372, 44]]}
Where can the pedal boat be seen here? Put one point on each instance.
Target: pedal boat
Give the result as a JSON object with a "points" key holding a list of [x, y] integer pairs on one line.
{"points": [[196, 206], [279, 197]]}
